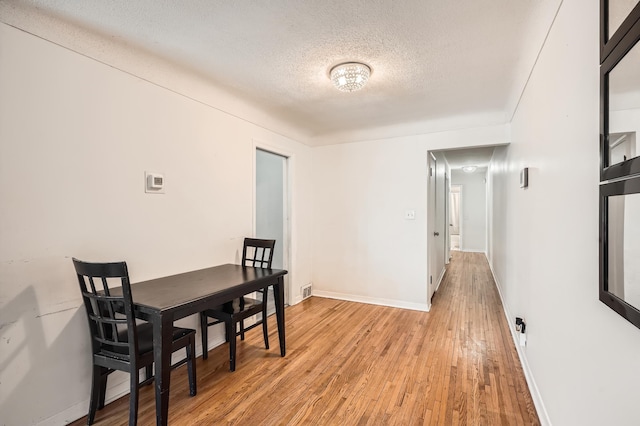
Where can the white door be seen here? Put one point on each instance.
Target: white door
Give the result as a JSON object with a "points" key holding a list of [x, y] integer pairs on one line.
{"points": [[445, 229], [271, 206], [455, 204], [432, 228]]}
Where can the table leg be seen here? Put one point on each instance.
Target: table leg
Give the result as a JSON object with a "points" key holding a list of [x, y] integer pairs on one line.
{"points": [[278, 293], [162, 338]]}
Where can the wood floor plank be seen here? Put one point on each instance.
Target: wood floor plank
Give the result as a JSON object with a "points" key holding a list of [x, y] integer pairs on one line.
{"points": [[356, 364]]}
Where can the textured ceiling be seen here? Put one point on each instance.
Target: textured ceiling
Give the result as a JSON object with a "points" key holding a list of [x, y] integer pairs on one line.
{"points": [[430, 59]]}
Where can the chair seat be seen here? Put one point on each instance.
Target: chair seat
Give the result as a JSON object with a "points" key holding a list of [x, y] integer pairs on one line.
{"points": [[145, 338]]}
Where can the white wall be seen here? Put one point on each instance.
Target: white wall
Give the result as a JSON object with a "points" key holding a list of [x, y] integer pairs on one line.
{"points": [[582, 356], [76, 137], [364, 248], [473, 209], [627, 120]]}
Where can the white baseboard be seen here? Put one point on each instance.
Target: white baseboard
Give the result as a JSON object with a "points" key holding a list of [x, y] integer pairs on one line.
{"points": [[543, 415], [372, 300], [67, 416], [474, 251], [81, 409]]}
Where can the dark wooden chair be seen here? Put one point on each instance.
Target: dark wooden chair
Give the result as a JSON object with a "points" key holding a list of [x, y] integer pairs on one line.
{"points": [[256, 253], [118, 342]]}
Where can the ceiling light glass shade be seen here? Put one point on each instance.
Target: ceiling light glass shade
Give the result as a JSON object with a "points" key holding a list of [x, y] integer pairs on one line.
{"points": [[469, 169], [350, 77]]}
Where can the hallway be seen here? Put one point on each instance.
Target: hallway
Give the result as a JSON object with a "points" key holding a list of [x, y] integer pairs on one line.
{"points": [[468, 321], [358, 364]]}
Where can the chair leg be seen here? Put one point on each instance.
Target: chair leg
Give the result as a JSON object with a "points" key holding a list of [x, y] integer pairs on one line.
{"points": [[104, 372], [205, 335], [96, 385], [241, 329], [134, 379], [191, 365], [230, 326], [265, 332]]}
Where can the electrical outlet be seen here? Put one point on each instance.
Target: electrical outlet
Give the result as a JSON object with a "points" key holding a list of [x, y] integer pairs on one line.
{"points": [[523, 339], [521, 328], [410, 214]]}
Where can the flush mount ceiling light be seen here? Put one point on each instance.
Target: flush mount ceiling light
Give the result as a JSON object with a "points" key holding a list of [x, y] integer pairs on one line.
{"points": [[469, 169], [350, 76]]}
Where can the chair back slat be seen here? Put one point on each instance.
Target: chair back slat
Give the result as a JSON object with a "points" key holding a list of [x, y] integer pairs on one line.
{"points": [[105, 285], [111, 319], [257, 252], [93, 286]]}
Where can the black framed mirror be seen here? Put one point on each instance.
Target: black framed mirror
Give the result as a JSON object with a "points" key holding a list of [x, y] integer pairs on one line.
{"points": [[620, 104], [620, 247], [619, 281]]}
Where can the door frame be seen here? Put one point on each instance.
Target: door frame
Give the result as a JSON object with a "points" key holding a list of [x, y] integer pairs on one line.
{"points": [[289, 162], [432, 175]]}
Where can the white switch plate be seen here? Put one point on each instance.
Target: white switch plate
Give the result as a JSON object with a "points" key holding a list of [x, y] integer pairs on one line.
{"points": [[410, 214]]}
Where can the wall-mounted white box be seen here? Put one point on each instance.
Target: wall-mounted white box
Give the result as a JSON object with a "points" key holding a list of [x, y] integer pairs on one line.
{"points": [[153, 183]]}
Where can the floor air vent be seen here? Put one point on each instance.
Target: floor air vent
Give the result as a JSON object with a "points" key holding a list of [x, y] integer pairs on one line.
{"points": [[306, 291]]}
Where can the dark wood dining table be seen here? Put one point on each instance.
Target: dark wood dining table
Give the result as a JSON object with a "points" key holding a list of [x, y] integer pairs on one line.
{"points": [[162, 301]]}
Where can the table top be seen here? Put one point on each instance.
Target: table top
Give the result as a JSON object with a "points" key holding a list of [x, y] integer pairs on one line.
{"points": [[221, 283]]}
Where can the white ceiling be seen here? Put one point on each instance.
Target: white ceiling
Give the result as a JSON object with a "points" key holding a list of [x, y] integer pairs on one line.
{"points": [[430, 59]]}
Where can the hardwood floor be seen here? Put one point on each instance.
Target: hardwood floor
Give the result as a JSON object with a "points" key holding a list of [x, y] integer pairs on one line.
{"points": [[357, 364]]}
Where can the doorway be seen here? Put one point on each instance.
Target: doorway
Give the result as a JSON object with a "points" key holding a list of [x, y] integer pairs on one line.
{"points": [[455, 219], [446, 215], [272, 210]]}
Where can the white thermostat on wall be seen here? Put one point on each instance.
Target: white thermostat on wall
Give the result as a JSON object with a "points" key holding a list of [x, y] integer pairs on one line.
{"points": [[154, 183]]}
